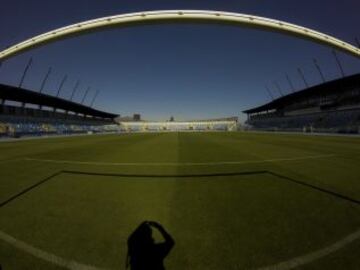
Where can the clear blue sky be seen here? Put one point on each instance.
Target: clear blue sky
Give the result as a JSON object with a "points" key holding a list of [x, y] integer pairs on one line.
{"points": [[189, 71]]}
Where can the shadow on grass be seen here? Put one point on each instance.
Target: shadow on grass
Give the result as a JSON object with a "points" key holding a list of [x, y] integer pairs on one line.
{"points": [[143, 252]]}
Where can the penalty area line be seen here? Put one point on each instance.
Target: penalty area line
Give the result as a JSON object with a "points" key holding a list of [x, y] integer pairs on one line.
{"points": [[177, 163]]}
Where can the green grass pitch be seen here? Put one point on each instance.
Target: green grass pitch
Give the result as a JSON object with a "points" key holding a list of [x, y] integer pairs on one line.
{"points": [[229, 200]]}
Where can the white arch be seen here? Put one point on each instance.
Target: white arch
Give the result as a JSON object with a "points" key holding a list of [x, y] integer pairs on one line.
{"points": [[180, 15]]}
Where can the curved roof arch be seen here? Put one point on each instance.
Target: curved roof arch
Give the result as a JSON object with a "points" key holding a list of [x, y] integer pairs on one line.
{"points": [[150, 17]]}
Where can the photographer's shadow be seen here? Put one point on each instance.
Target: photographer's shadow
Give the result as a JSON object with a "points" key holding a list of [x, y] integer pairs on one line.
{"points": [[143, 252]]}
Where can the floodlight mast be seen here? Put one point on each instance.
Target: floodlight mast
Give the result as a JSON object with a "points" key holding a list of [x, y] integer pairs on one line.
{"points": [[61, 85], [290, 83], [149, 17], [85, 95], [269, 92], [94, 98], [301, 73], [319, 69], [45, 80]]}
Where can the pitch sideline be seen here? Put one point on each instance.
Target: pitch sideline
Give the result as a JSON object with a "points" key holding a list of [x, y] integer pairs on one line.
{"points": [[176, 163]]}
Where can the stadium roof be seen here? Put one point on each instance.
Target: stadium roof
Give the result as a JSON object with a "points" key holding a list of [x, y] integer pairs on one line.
{"points": [[332, 86], [12, 93]]}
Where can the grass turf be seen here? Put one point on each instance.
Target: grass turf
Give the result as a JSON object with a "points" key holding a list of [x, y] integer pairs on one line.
{"points": [[236, 221]]}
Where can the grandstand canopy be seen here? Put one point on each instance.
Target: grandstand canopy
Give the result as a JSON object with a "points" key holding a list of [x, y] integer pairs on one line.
{"points": [[26, 96], [334, 86]]}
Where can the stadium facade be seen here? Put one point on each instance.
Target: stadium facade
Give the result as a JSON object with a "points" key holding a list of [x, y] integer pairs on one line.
{"points": [[333, 106]]}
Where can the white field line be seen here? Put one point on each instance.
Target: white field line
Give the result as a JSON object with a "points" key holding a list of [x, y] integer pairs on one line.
{"points": [[46, 256], [310, 257], [285, 265], [176, 163]]}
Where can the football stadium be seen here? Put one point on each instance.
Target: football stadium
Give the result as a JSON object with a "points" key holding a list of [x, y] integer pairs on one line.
{"points": [[87, 188]]}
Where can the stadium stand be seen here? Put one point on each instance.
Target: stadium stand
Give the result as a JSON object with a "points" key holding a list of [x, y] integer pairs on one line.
{"points": [[35, 114], [222, 124], [329, 107]]}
